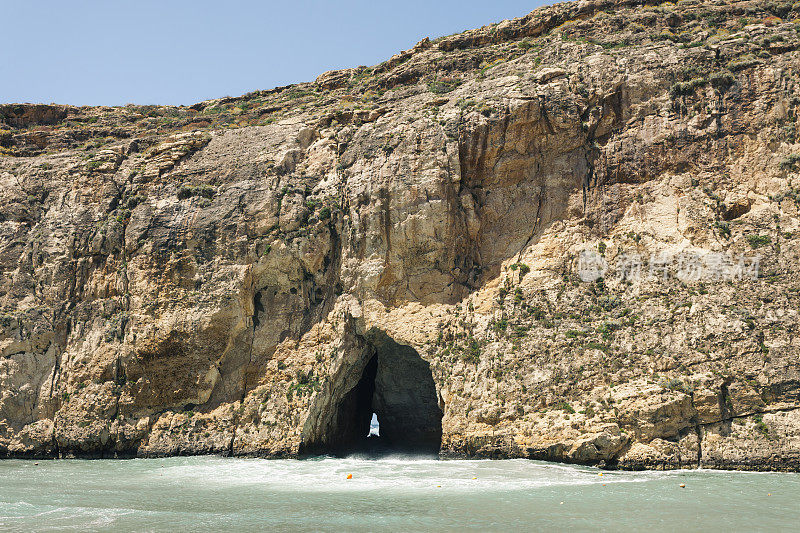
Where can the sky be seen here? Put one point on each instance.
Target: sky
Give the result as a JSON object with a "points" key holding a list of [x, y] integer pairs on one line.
{"points": [[178, 52]]}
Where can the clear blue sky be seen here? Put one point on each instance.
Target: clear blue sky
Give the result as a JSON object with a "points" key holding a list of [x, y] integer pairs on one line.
{"points": [[113, 52]]}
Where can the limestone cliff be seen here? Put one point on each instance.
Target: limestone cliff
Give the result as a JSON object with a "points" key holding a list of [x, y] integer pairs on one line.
{"points": [[257, 275]]}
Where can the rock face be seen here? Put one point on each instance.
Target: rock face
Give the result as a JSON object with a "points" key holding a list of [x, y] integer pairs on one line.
{"points": [[258, 275]]}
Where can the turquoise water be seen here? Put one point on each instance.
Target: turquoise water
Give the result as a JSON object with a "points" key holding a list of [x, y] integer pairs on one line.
{"points": [[195, 493]]}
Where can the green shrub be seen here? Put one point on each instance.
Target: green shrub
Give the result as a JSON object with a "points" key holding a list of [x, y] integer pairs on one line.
{"points": [[790, 160], [597, 346], [722, 80], [444, 86], [761, 427], [742, 63], [203, 191], [298, 93], [607, 329], [520, 330], [676, 384], [518, 296], [684, 88], [724, 229], [566, 407], [134, 201], [490, 65], [472, 352], [522, 267], [500, 325], [757, 241]]}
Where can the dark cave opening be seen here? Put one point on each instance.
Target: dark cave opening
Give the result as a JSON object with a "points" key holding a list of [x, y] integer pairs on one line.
{"points": [[396, 386]]}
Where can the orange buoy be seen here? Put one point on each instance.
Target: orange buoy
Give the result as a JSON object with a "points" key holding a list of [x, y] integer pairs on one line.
{"points": [[683, 485], [349, 476]]}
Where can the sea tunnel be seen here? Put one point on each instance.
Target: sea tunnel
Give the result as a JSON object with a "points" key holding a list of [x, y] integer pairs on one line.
{"points": [[392, 382]]}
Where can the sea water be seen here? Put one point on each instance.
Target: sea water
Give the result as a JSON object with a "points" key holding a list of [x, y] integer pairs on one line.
{"points": [[388, 494]]}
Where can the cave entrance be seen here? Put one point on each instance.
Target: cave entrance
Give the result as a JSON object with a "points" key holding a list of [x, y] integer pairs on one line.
{"points": [[392, 408]]}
